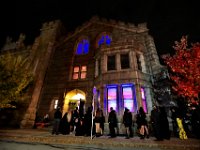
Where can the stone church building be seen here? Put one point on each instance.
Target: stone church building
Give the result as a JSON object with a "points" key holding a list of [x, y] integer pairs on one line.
{"points": [[105, 61]]}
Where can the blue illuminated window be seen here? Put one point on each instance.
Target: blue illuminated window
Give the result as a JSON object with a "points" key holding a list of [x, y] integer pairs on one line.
{"points": [[105, 39], [82, 47]]}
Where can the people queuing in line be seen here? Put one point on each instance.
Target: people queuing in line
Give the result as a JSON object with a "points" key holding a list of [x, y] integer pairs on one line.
{"points": [[160, 123], [73, 122], [128, 123]]}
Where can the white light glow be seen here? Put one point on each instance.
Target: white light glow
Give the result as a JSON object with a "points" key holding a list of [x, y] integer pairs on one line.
{"points": [[78, 97]]}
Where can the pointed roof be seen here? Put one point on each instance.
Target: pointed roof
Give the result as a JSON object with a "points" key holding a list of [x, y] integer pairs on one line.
{"points": [[140, 28]]}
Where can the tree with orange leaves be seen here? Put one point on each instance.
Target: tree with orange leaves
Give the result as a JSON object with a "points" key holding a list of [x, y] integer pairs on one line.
{"points": [[184, 66]]}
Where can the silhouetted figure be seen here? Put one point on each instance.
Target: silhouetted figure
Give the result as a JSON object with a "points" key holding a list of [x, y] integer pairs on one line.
{"points": [[70, 120], [138, 123], [112, 120], [127, 121], [102, 122], [57, 118], [79, 131], [155, 122], [143, 122], [174, 122], [164, 124], [97, 120], [64, 125], [81, 108], [75, 118], [88, 121]]}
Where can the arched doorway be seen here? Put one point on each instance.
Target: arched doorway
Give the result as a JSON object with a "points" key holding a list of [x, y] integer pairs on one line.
{"points": [[73, 99]]}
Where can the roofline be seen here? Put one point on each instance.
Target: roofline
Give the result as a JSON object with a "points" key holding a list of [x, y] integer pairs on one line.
{"points": [[140, 28]]}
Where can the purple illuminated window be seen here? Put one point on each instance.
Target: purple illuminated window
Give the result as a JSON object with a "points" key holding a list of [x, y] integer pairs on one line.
{"points": [[98, 99], [127, 93], [112, 98], [144, 102]]}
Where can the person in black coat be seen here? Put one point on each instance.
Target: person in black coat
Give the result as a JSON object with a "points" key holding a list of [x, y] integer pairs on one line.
{"points": [[174, 122], [98, 120], [143, 122], [87, 122], [112, 120], [155, 122], [79, 131], [57, 118], [64, 125], [127, 121], [164, 124], [75, 118], [102, 122]]}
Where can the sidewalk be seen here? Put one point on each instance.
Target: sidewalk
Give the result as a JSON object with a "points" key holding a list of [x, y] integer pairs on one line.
{"points": [[44, 136]]}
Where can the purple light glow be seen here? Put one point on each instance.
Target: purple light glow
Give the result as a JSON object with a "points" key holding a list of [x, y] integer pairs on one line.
{"points": [[129, 104], [144, 102], [112, 97], [112, 93], [127, 93], [112, 104], [128, 98]]}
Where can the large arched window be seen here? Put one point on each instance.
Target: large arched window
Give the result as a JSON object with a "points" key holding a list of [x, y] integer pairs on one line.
{"points": [[104, 39], [82, 47]]}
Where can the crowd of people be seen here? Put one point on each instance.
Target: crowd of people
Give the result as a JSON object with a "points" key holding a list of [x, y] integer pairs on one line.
{"points": [[92, 123]]}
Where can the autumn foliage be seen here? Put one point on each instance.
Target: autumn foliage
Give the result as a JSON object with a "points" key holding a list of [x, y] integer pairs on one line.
{"points": [[185, 69], [15, 78]]}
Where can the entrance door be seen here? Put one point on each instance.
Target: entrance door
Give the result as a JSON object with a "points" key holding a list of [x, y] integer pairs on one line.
{"points": [[73, 99]]}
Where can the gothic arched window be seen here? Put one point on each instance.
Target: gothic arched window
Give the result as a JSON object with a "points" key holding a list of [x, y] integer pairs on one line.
{"points": [[82, 47], [104, 39]]}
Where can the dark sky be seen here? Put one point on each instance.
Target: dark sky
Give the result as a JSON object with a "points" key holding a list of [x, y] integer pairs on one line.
{"points": [[167, 20]]}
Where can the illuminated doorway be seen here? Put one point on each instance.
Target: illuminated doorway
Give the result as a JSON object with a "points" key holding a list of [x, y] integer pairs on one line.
{"points": [[73, 99]]}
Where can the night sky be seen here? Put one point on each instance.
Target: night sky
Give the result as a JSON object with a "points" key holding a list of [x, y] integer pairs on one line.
{"points": [[167, 20]]}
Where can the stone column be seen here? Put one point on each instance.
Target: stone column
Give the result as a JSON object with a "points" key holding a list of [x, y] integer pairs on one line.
{"points": [[104, 63], [138, 91], [29, 118], [96, 68], [148, 99], [118, 64], [131, 58]]}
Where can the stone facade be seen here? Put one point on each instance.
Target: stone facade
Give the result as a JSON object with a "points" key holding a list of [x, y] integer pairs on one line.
{"points": [[54, 57]]}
